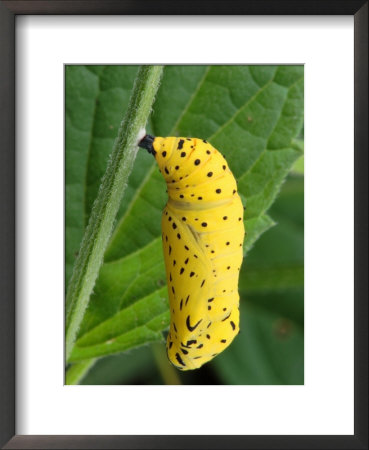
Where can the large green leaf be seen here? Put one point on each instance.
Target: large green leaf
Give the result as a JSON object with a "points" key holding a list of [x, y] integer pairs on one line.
{"points": [[250, 113], [81, 91]]}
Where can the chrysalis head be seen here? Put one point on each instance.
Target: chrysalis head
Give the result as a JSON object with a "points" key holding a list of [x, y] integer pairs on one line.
{"points": [[161, 148], [147, 143], [195, 172]]}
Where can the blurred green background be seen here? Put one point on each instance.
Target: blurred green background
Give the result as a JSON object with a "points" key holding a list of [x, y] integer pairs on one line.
{"points": [[252, 114]]}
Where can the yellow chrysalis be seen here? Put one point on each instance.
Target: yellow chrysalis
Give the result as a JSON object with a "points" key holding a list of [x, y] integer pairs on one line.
{"points": [[202, 232]]}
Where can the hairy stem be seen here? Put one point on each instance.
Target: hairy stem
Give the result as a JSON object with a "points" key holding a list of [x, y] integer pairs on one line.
{"points": [[78, 371], [114, 182]]}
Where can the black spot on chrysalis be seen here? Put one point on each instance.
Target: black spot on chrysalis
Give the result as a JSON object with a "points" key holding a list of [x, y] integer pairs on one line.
{"points": [[192, 328]]}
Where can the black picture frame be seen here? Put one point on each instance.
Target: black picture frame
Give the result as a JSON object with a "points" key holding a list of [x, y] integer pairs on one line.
{"points": [[8, 12]]}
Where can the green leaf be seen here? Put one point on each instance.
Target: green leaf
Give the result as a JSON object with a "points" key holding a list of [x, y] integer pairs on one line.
{"points": [[298, 167], [242, 135], [125, 368], [251, 114], [81, 91]]}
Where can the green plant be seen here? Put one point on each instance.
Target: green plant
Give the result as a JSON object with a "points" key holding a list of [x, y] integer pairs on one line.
{"points": [[254, 115]]}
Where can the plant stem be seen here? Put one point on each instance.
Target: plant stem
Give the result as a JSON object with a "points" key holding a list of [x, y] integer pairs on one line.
{"points": [[167, 371], [78, 371], [113, 184]]}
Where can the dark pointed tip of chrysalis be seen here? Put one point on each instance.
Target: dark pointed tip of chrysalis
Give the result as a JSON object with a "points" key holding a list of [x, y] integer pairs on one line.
{"points": [[147, 143]]}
